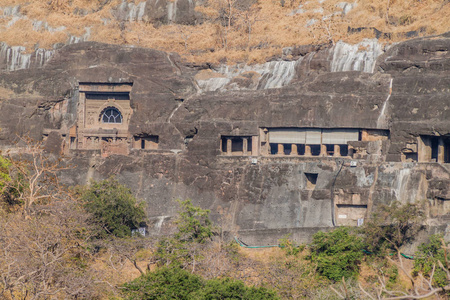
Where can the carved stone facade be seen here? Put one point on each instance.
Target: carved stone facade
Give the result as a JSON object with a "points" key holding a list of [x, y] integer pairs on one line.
{"points": [[103, 117], [324, 151]]}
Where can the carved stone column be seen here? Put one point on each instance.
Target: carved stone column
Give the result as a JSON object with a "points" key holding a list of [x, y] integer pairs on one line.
{"points": [[323, 150], [337, 151], [229, 141], [280, 149], [441, 151], [245, 146], [294, 150], [307, 150]]}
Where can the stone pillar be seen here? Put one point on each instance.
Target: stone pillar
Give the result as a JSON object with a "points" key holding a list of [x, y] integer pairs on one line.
{"points": [[441, 151], [307, 150], [255, 146], [423, 149], [294, 150], [244, 146], [364, 135], [229, 141], [280, 149], [323, 150], [337, 151]]}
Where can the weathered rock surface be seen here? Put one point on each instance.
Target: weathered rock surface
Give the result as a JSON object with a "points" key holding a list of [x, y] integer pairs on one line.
{"points": [[402, 111]]}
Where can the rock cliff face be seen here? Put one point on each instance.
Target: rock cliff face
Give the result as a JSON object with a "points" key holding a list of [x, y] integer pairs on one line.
{"points": [[321, 149]]}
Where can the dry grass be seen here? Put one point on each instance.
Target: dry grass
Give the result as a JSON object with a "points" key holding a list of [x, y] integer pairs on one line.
{"points": [[6, 93], [255, 35], [22, 34]]}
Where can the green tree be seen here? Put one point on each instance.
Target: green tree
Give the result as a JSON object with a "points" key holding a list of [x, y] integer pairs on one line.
{"points": [[392, 226], [337, 253], [193, 223], [113, 207], [194, 229]]}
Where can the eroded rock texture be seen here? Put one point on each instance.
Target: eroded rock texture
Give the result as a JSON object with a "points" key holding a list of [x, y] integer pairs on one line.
{"points": [[322, 151]]}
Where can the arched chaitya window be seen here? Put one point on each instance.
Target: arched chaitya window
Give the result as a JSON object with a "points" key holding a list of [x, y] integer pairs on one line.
{"points": [[111, 115]]}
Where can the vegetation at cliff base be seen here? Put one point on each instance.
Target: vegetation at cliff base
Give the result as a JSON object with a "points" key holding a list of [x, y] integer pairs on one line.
{"points": [[177, 283], [429, 257], [337, 253], [113, 207], [193, 229], [62, 243]]}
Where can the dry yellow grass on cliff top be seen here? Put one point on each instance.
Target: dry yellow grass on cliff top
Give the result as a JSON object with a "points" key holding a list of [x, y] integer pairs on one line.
{"points": [[252, 35]]}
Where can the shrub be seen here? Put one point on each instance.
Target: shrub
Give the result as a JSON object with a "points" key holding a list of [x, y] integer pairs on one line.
{"points": [[428, 255], [290, 247], [113, 207], [176, 283], [165, 283], [337, 253], [227, 288]]}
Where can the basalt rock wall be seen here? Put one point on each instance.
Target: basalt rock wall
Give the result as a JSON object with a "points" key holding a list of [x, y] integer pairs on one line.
{"points": [[219, 148]]}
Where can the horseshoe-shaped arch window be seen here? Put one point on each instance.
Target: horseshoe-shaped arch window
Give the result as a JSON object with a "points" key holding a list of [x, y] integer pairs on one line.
{"points": [[111, 115]]}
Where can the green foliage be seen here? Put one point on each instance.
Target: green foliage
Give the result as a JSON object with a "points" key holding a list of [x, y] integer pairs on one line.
{"points": [[392, 274], [5, 178], [337, 253], [392, 226], [194, 228], [12, 183], [165, 283], [289, 246], [193, 223], [428, 255], [176, 283], [227, 288], [113, 207]]}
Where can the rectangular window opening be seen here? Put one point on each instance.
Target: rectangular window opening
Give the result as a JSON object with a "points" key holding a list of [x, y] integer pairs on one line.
{"points": [[434, 148], [146, 142], [301, 149], [315, 150], [249, 145], [237, 145], [287, 149], [330, 150], [343, 149], [224, 145], [273, 149], [446, 150]]}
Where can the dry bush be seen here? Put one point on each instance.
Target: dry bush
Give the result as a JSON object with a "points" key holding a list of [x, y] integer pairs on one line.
{"points": [[121, 260], [45, 254], [225, 260]]}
